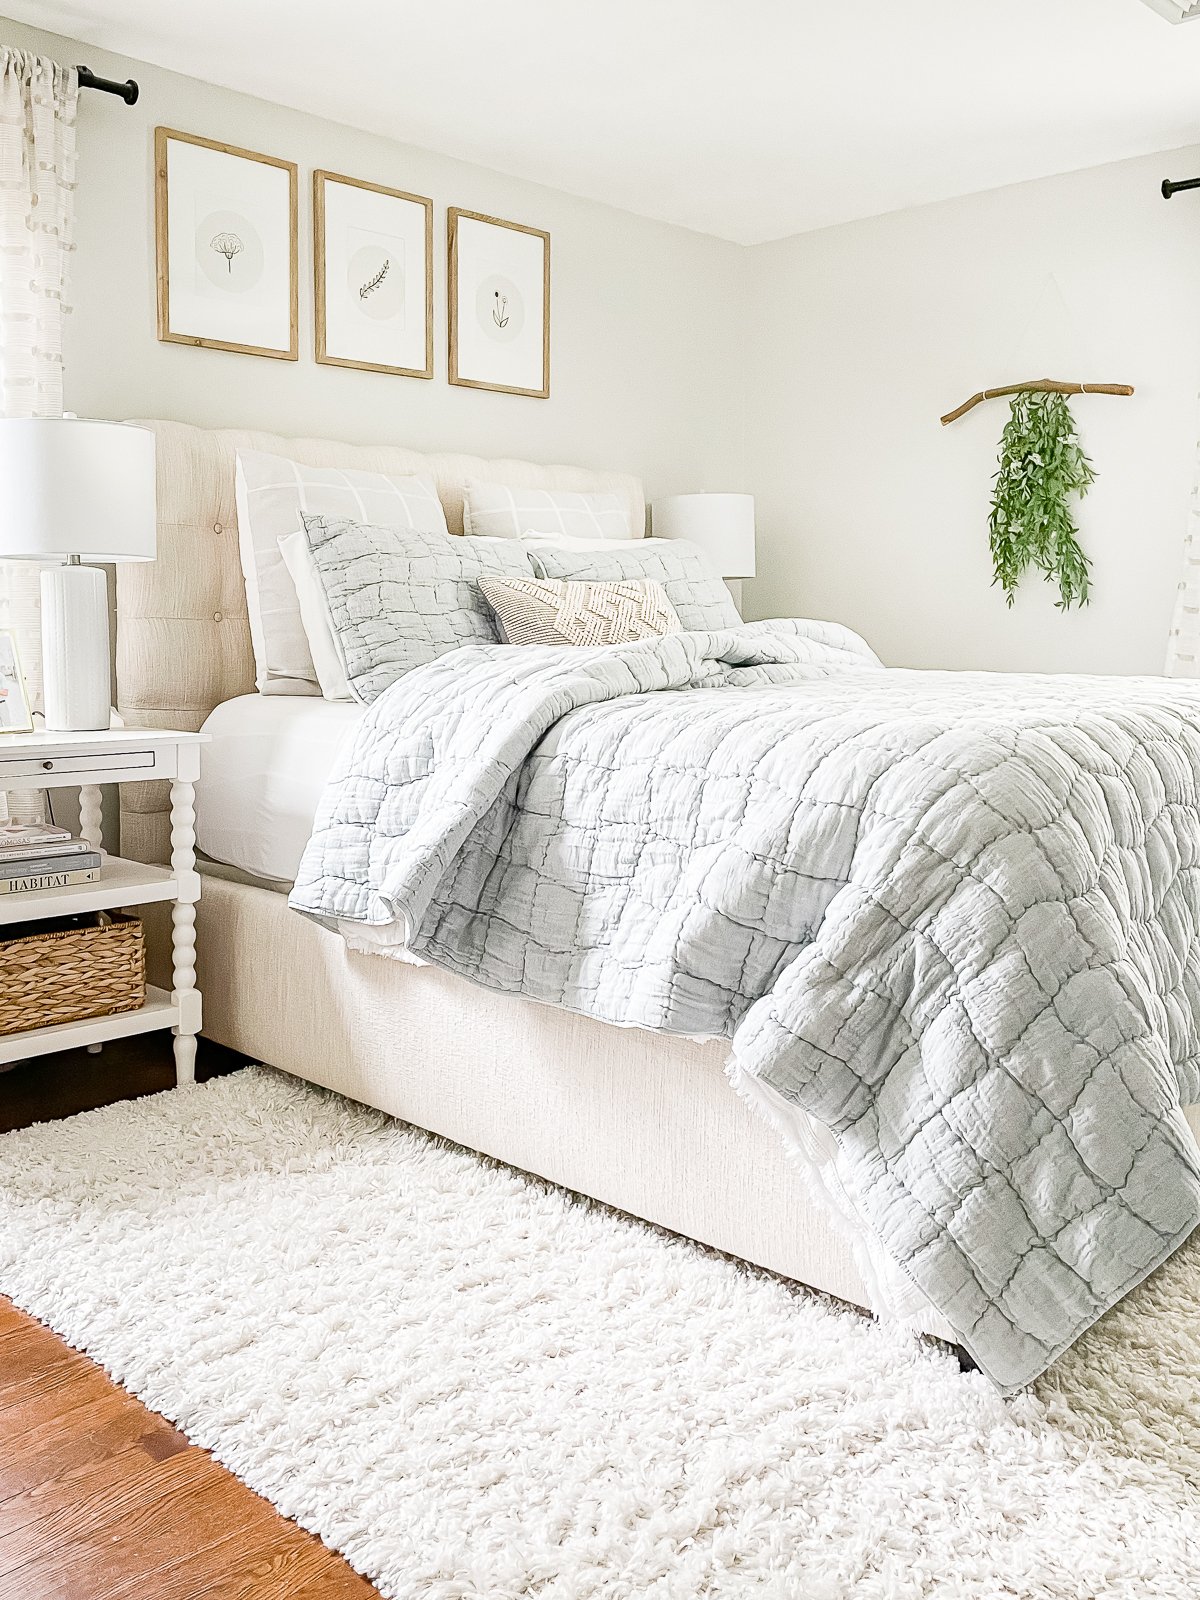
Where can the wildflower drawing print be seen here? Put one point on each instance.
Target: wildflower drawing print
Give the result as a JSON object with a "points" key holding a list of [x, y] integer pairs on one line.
{"points": [[500, 307], [499, 304]]}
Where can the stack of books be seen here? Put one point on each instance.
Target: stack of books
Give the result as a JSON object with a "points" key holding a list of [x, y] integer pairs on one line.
{"points": [[39, 856]]}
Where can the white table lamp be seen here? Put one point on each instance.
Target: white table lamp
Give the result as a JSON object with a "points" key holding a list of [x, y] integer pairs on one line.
{"points": [[72, 488], [722, 525]]}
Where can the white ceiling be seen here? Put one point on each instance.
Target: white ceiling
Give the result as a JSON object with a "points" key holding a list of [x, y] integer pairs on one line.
{"points": [[751, 119]]}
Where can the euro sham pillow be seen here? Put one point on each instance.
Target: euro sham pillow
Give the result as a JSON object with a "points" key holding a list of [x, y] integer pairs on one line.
{"points": [[557, 611], [314, 614], [699, 597], [399, 598], [273, 493], [501, 511]]}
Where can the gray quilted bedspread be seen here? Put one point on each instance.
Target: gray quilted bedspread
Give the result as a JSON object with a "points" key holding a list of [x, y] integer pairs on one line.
{"points": [[951, 916]]}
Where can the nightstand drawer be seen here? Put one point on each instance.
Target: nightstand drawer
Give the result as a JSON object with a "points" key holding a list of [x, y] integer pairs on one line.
{"points": [[32, 767]]}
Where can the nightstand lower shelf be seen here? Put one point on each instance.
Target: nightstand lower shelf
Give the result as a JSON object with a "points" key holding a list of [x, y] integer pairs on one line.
{"points": [[121, 883], [159, 1011]]}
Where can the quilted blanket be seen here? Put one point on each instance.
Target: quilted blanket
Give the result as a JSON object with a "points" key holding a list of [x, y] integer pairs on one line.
{"points": [[953, 917]]}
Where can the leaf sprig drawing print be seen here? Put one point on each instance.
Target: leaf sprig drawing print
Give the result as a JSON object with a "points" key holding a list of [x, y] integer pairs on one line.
{"points": [[373, 283], [374, 249]]}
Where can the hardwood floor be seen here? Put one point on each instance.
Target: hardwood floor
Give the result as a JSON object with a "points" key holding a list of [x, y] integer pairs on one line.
{"points": [[100, 1499], [49, 1087]]}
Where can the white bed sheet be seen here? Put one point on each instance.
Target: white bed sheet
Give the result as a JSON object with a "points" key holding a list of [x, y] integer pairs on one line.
{"points": [[262, 776]]}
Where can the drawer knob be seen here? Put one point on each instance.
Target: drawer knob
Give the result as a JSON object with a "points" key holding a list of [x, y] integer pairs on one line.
{"points": [[48, 766]]}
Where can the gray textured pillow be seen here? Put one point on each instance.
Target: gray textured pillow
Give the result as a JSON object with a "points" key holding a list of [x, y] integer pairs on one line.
{"points": [[700, 598], [399, 598]]}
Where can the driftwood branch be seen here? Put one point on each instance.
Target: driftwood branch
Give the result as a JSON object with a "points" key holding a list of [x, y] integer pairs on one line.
{"points": [[1037, 386]]}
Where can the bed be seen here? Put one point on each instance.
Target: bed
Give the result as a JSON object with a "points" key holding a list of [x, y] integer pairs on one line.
{"points": [[644, 1119]]}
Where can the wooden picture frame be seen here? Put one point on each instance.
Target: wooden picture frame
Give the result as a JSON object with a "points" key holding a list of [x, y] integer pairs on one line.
{"points": [[383, 215], [266, 293], [479, 268], [16, 716]]}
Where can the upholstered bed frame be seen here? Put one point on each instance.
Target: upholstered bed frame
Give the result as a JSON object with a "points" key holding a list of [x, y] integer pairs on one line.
{"points": [[642, 1121]]}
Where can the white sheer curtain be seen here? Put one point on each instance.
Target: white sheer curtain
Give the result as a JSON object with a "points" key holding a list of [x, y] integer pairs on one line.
{"points": [[38, 100], [1183, 641]]}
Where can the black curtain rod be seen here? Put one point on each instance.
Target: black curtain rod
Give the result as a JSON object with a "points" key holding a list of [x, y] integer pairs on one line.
{"points": [[1169, 188], [128, 90]]}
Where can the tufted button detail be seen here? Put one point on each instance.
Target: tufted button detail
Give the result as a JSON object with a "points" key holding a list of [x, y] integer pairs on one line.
{"points": [[218, 616], [218, 527]]}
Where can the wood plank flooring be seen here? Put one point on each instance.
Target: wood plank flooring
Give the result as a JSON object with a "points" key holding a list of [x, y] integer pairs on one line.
{"points": [[100, 1498]]}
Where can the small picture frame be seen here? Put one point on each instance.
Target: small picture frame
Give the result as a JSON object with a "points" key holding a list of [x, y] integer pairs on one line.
{"points": [[373, 276], [225, 234], [499, 297], [15, 715]]}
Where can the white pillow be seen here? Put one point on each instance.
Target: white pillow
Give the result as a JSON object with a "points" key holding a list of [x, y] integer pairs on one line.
{"points": [[501, 511], [272, 494], [314, 614]]}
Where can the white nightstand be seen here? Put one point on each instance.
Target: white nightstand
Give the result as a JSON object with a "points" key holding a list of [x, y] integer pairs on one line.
{"points": [[87, 760]]}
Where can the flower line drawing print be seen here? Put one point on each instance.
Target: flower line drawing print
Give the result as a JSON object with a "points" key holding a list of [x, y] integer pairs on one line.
{"points": [[228, 245], [500, 310], [373, 283]]}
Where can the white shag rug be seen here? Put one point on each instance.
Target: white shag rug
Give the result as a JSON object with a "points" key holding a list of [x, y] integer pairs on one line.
{"points": [[474, 1385]]}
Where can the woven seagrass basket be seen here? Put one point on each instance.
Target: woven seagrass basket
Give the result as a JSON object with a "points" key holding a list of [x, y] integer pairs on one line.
{"points": [[67, 969]]}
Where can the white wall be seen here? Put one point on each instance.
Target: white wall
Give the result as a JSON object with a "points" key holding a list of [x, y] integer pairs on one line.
{"points": [[634, 385], [863, 335], [811, 371]]}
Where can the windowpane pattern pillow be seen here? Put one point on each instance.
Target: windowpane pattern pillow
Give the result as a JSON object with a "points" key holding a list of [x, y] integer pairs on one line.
{"points": [[546, 611], [399, 598], [273, 493], [499, 511], [700, 598]]}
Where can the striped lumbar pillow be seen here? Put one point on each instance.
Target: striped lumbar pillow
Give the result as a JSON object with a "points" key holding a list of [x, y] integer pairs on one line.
{"points": [[560, 611]]}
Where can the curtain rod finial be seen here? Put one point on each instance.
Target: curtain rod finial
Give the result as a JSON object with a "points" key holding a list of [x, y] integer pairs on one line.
{"points": [[127, 91]]}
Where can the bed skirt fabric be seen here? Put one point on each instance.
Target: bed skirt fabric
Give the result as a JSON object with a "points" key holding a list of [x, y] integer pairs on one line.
{"points": [[642, 1121]]}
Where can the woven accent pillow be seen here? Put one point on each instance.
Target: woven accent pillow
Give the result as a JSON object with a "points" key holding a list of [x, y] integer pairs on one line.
{"points": [[701, 600], [546, 611]]}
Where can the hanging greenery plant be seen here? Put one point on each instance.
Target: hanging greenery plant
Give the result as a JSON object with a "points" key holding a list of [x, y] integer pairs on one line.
{"points": [[1042, 468]]}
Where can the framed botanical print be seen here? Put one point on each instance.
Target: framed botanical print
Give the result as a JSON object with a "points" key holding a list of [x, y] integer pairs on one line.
{"points": [[499, 294], [15, 715], [373, 269], [225, 227]]}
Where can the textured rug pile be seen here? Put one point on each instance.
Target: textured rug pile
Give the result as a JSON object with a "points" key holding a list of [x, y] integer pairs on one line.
{"points": [[474, 1385]]}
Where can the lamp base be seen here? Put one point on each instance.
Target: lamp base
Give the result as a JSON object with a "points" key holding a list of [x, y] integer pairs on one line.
{"points": [[76, 671]]}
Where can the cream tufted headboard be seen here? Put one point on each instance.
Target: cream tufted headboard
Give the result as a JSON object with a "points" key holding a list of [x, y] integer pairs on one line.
{"points": [[183, 641]]}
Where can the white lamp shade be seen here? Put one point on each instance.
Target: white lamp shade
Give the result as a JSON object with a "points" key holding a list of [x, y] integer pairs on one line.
{"points": [[721, 525], [70, 487]]}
